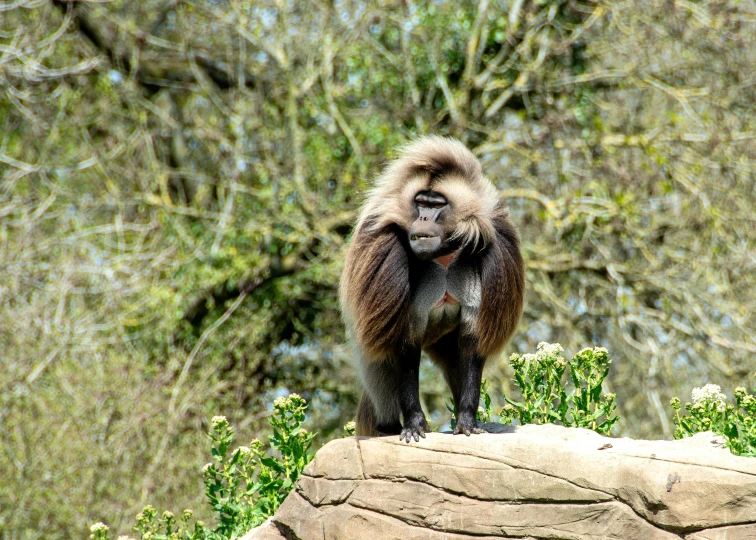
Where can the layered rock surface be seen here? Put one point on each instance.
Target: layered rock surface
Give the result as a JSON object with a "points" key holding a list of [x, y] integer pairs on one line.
{"points": [[530, 482]]}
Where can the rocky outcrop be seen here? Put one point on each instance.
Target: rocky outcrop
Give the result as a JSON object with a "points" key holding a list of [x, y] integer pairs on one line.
{"points": [[530, 482]]}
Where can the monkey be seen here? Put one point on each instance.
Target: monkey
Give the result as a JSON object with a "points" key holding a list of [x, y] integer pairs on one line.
{"points": [[433, 265]]}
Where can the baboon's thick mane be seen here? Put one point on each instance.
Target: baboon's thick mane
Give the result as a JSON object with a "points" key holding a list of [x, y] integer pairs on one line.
{"points": [[443, 165]]}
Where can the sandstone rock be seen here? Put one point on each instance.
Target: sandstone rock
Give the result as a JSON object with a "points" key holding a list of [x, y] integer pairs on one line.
{"points": [[738, 532], [266, 531], [532, 482]]}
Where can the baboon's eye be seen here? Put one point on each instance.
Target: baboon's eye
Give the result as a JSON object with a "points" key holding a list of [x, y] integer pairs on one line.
{"points": [[430, 199]]}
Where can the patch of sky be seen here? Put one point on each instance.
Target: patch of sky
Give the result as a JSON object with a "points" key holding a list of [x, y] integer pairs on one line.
{"points": [[95, 257], [359, 9], [726, 322], [681, 360], [577, 305], [268, 17], [537, 332], [354, 80]]}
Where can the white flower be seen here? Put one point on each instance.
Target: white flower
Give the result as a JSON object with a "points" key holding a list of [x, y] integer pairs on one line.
{"points": [[99, 526], [545, 350], [550, 347], [710, 393], [218, 420]]}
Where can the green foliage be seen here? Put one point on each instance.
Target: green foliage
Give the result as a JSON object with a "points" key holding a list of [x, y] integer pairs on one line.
{"points": [[276, 477], [484, 408], [167, 527], [709, 411], [350, 428], [545, 398], [244, 486]]}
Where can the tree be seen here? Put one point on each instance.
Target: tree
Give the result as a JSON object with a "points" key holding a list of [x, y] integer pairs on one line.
{"points": [[179, 179]]}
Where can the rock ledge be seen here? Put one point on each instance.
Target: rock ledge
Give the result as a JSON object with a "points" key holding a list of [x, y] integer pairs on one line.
{"points": [[532, 482]]}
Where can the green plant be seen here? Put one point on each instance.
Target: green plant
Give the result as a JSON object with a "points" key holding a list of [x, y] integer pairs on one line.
{"points": [[350, 429], [484, 409], [168, 527], [276, 477], [244, 486], [709, 411], [545, 398]]}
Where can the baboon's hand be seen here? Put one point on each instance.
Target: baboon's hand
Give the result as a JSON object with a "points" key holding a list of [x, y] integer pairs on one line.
{"points": [[414, 428], [467, 426]]}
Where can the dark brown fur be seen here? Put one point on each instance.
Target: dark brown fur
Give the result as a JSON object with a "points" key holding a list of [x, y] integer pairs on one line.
{"points": [[377, 267], [504, 276]]}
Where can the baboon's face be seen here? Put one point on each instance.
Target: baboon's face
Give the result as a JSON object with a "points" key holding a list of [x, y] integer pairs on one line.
{"points": [[431, 231]]}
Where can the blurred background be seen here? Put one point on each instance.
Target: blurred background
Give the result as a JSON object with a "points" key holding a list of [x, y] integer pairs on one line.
{"points": [[178, 181]]}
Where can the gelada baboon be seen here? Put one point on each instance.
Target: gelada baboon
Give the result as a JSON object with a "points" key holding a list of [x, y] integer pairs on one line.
{"points": [[434, 265]]}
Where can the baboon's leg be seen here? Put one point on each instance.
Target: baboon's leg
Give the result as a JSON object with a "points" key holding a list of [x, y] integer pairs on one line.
{"points": [[366, 420], [445, 354], [467, 394], [379, 410], [463, 369], [415, 424]]}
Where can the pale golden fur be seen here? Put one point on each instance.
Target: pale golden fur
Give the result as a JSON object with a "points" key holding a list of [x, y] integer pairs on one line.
{"points": [[421, 166]]}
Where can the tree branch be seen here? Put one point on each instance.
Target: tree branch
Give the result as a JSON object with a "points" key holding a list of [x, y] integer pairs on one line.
{"points": [[151, 74]]}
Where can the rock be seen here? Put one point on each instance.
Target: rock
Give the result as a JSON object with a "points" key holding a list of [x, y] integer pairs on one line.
{"points": [[737, 532], [530, 482], [266, 531]]}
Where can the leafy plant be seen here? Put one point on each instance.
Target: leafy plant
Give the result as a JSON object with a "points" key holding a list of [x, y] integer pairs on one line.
{"points": [[709, 411], [244, 486], [168, 527], [350, 429], [484, 409], [276, 477], [545, 398]]}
